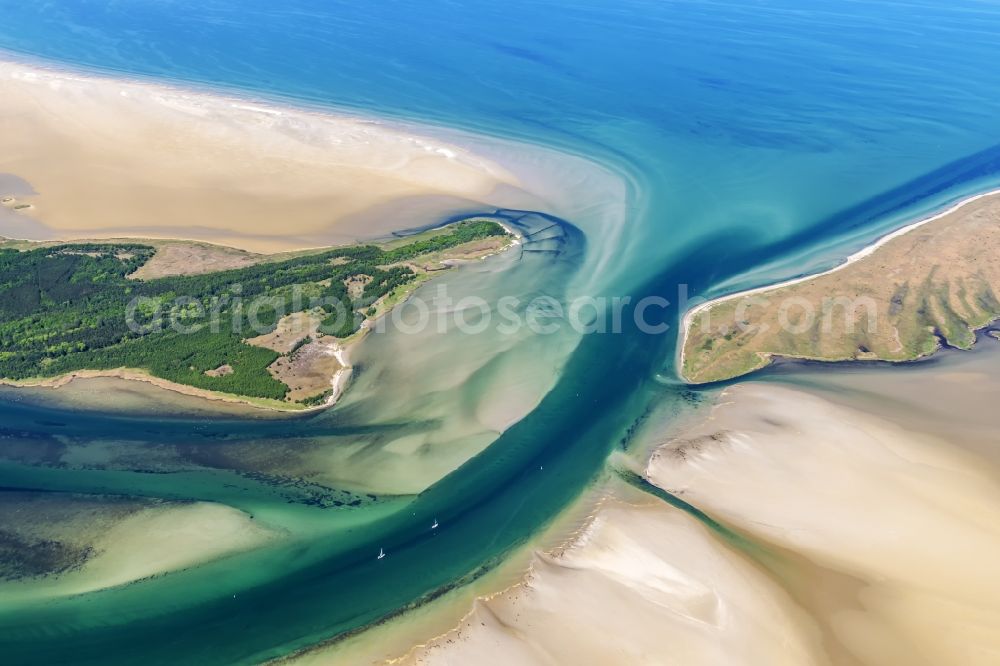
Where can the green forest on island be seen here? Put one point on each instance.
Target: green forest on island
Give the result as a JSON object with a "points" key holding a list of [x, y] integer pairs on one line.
{"points": [[68, 307]]}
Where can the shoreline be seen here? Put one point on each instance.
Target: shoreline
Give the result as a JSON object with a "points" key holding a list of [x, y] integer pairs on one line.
{"points": [[266, 101], [514, 575], [603, 577], [773, 360], [245, 100], [341, 378], [864, 252], [332, 177], [552, 176], [139, 375], [517, 238], [339, 348]]}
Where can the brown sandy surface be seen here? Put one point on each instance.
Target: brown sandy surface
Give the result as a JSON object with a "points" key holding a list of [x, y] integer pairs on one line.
{"points": [[886, 534], [855, 541], [187, 258], [644, 584]]}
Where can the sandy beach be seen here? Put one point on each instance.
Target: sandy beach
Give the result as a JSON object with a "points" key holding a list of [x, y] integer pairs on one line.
{"points": [[133, 375], [110, 158]]}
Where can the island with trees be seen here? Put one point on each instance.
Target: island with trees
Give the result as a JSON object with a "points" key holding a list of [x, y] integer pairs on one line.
{"points": [[256, 327]]}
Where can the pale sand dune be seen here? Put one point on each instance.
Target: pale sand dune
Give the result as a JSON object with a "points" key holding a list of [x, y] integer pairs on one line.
{"points": [[117, 158], [645, 585], [912, 520], [150, 542]]}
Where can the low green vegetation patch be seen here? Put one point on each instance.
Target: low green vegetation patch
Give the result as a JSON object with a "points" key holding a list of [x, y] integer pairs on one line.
{"points": [[318, 399], [72, 307]]}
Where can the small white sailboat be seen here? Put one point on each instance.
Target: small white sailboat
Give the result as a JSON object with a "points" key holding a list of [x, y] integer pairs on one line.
{"points": [[381, 553], [435, 525]]}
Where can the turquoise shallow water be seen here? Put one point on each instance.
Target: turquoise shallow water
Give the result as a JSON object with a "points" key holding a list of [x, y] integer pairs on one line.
{"points": [[756, 140]]}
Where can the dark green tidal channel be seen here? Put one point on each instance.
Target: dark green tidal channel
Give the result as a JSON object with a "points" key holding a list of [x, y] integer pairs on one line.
{"points": [[486, 508]]}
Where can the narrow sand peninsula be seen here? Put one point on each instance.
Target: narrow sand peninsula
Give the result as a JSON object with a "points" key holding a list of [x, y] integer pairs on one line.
{"points": [[146, 542], [111, 158], [892, 535], [136, 375], [125, 396], [931, 282]]}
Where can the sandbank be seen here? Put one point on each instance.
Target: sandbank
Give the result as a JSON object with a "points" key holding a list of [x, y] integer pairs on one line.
{"points": [[150, 541], [861, 541], [115, 158], [643, 582], [892, 534]]}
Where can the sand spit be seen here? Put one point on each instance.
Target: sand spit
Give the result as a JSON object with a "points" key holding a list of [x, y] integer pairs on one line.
{"points": [[893, 300], [857, 256], [122, 396], [114, 158], [136, 375]]}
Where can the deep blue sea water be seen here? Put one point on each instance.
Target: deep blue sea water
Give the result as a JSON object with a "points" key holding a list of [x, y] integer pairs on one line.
{"points": [[761, 139]]}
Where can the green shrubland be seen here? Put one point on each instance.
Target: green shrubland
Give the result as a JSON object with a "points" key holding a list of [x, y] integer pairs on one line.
{"points": [[73, 307]]}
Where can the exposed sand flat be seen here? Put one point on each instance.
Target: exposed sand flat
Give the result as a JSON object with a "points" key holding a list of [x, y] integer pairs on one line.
{"points": [[118, 158], [912, 520], [869, 544], [645, 585], [150, 541]]}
